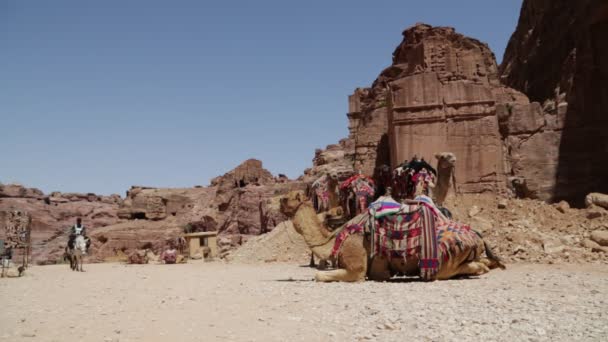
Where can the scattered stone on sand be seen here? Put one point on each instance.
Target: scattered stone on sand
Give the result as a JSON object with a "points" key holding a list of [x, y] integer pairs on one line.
{"points": [[502, 204]]}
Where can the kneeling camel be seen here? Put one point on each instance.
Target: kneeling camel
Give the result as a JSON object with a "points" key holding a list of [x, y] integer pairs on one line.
{"points": [[355, 250]]}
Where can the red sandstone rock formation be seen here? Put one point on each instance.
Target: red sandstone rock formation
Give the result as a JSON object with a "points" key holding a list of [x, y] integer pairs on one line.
{"points": [[242, 203], [53, 215], [442, 98], [249, 172], [442, 93], [239, 204], [558, 56]]}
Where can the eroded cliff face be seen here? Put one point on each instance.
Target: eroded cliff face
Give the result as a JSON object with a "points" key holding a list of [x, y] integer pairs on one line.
{"points": [[444, 92], [53, 215], [441, 93], [558, 56], [242, 203]]}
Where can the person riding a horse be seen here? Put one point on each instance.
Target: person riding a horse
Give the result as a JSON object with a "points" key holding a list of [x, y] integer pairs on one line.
{"points": [[78, 229]]}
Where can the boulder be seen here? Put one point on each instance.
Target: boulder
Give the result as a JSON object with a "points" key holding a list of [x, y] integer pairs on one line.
{"points": [[591, 244], [595, 212], [502, 204], [474, 211], [595, 247], [600, 237], [553, 246], [596, 199], [562, 207], [481, 224]]}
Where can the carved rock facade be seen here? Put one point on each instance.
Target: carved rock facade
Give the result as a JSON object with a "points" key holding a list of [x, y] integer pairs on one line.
{"points": [[442, 93]]}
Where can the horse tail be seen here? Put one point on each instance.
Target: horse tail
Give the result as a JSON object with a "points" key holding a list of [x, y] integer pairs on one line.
{"points": [[497, 261]]}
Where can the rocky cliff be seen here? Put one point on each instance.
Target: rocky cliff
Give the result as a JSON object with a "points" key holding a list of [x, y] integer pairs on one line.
{"points": [[445, 92], [240, 204], [558, 56], [441, 93], [53, 215]]}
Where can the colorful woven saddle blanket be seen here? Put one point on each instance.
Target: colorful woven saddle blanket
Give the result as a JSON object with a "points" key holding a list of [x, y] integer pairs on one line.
{"points": [[416, 231], [408, 234]]}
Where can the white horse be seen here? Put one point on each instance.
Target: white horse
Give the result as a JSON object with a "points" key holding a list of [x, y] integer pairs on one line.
{"points": [[77, 253]]}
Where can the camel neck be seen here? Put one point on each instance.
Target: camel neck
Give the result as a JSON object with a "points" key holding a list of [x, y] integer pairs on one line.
{"points": [[317, 237]]}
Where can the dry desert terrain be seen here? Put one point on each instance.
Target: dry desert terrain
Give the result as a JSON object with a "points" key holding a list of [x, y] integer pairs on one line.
{"points": [[279, 302]]}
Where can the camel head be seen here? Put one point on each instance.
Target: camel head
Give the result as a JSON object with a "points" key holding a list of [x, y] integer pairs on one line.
{"points": [[445, 160], [291, 202]]}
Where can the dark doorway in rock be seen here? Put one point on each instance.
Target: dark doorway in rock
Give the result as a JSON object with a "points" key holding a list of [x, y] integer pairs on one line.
{"points": [[138, 216]]}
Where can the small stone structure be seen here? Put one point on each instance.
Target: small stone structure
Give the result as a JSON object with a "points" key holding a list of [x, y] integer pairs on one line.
{"points": [[197, 241]]}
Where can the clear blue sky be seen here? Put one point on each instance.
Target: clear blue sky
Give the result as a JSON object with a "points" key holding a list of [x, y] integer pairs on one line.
{"points": [[96, 96]]}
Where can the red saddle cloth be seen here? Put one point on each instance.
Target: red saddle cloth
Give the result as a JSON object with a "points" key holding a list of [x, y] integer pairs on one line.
{"points": [[418, 233], [170, 257]]}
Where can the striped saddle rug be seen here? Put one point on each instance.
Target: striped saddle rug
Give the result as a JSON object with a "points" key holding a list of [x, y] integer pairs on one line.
{"points": [[415, 231]]}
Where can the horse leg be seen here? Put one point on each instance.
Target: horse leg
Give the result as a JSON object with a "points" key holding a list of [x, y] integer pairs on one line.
{"points": [[81, 262]]}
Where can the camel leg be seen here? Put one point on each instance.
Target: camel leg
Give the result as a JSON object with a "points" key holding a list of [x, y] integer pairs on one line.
{"points": [[354, 260], [312, 260], [339, 275], [491, 264], [379, 269], [470, 268]]}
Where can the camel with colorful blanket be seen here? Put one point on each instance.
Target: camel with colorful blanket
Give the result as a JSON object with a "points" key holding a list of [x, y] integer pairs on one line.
{"points": [[393, 239]]}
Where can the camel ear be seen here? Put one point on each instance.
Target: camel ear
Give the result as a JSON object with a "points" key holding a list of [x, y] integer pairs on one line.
{"points": [[438, 155], [298, 197]]}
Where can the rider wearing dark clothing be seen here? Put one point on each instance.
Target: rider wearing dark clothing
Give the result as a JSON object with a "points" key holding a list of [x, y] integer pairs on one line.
{"points": [[78, 229]]}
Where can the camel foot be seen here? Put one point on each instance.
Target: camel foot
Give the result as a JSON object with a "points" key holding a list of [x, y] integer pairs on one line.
{"points": [[339, 275], [323, 264], [492, 264], [473, 268]]}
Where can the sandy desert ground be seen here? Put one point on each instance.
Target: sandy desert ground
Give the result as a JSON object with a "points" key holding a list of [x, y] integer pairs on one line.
{"points": [[279, 302]]}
